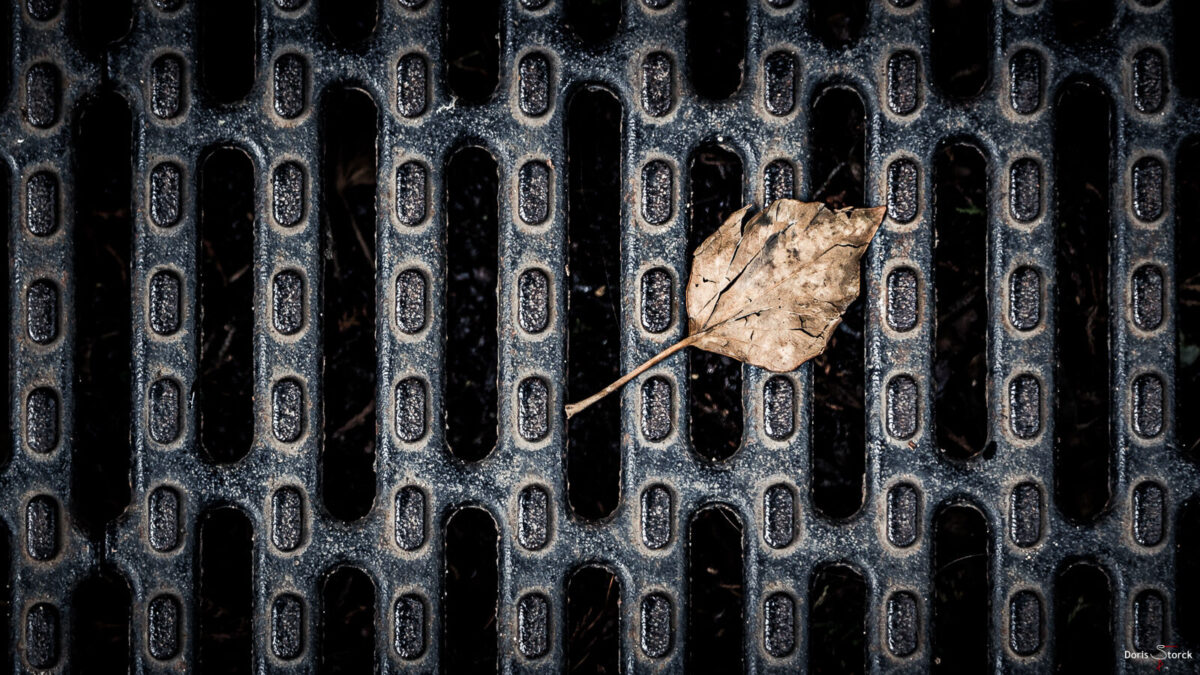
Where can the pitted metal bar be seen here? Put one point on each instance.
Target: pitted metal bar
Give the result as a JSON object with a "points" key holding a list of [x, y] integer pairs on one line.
{"points": [[48, 555]]}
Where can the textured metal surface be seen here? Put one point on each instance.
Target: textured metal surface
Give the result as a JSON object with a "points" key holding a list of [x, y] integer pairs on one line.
{"points": [[521, 483]]}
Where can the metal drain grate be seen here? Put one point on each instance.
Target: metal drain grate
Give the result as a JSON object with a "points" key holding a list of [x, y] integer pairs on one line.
{"points": [[1039, 442]]}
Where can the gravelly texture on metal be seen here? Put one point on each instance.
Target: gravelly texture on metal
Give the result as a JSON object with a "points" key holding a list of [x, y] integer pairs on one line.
{"points": [[522, 482]]}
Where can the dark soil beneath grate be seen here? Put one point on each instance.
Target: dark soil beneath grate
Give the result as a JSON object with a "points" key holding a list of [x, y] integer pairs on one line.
{"points": [[1083, 616], [838, 598], [103, 248], [716, 46], [594, 302], [1187, 273], [226, 592], [838, 435], [593, 637], [347, 623], [471, 304], [1081, 426], [471, 588], [960, 373], [348, 477], [100, 625], [473, 32], [716, 380], [225, 374], [837, 22], [960, 590], [716, 588]]}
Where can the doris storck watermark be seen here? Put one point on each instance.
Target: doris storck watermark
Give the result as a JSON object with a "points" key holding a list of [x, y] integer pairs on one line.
{"points": [[1162, 654]]}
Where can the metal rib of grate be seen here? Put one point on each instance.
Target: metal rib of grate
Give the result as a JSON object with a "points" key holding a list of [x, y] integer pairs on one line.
{"points": [[400, 543]]}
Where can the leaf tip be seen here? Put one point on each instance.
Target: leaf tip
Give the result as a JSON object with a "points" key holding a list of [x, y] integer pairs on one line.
{"points": [[866, 220], [874, 215]]}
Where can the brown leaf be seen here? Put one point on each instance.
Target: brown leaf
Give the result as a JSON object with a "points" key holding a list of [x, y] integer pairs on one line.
{"points": [[770, 288]]}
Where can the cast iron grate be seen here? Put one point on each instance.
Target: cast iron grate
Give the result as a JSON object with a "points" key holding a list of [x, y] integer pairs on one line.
{"points": [[336, 267]]}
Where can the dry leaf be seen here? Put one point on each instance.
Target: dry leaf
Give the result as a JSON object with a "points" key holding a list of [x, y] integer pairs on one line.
{"points": [[769, 289]]}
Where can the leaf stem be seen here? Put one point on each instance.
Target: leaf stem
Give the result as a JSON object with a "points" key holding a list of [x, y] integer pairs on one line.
{"points": [[573, 408]]}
